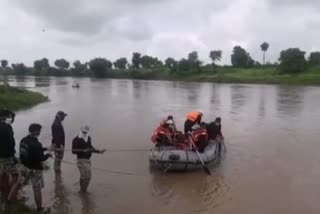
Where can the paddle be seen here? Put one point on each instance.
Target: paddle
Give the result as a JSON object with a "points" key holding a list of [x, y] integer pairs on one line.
{"points": [[205, 168]]}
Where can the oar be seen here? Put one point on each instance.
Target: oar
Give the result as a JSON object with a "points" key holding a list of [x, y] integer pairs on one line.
{"points": [[205, 168]]}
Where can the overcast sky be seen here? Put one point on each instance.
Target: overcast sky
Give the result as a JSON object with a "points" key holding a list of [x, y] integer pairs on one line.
{"points": [[84, 29]]}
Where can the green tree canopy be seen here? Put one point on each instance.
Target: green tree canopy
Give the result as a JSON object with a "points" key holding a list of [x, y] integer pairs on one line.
{"points": [[215, 55], [136, 60], [62, 63], [121, 63], [264, 47], [99, 66], [4, 63], [20, 69], [240, 57], [292, 60], [314, 58]]}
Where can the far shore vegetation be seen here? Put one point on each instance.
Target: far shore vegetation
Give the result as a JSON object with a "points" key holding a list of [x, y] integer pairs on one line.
{"points": [[292, 67]]}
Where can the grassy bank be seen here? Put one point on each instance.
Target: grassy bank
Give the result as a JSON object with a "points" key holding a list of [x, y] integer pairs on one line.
{"points": [[227, 75], [254, 75], [15, 98]]}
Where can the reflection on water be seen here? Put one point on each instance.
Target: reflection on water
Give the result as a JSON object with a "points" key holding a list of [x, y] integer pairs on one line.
{"points": [[205, 193], [289, 100], [238, 97], [61, 203], [272, 161]]}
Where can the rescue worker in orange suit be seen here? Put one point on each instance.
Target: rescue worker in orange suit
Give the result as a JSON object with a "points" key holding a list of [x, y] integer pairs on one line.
{"points": [[193, 118]]}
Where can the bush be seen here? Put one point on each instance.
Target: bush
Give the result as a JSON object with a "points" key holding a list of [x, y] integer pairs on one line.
{"points": [[292, 60]]}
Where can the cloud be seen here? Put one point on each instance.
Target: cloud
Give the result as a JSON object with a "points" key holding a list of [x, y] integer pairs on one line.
{"points": [[82, 29]]}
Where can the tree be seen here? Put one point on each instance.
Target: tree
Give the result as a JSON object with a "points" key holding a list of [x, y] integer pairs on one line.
{"points": [[99, 66], [239, 57], [40, 66], [184, 65], [79, 69], [121, 63], [20, 69], [215, 56], [62, 64], [170, 62], [136, 60], [264, 47], [314, 58], [292, 60], [4, 63], [193, 60], [147, 61]]}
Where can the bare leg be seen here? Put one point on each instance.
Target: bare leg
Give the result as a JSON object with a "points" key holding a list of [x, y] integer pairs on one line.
{"points": [[4, 187], [38, 197], [14, 191]]}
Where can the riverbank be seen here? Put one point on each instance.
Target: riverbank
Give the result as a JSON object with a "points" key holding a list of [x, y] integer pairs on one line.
{"points": [[16, 98], [225, 75], [257, 76]]}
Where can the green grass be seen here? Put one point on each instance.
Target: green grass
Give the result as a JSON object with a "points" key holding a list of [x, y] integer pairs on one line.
{"points": [[255, 75], [16, 98]]}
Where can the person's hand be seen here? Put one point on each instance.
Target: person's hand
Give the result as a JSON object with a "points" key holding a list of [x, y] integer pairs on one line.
{"points": [[50, 149], [102, 151]]}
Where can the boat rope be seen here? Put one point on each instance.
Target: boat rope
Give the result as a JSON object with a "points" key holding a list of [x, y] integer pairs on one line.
{"points": [[103, 170]]}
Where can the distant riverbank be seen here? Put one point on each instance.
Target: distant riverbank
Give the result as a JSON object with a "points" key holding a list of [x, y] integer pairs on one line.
{"points": [[226, 75], [262, 75], [15, 98]]}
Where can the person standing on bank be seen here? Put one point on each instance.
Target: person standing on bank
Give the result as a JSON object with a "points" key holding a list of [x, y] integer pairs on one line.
{"points": [[58, 140], [82, 147], [7, 153], [31, 168]]}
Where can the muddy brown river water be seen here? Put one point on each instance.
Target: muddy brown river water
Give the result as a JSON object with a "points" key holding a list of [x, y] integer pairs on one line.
{"points": [[272, 163]]}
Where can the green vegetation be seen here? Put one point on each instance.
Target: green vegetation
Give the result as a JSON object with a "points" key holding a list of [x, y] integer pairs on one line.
{"points": [[292, 67], [15, 98]]}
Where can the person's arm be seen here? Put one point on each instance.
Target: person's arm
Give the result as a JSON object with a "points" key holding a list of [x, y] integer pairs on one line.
{"points": [[39, 156], [94, 150]]}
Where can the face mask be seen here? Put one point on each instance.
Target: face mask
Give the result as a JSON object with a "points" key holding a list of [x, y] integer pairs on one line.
{"points": [[84, 136], [8, 121]]}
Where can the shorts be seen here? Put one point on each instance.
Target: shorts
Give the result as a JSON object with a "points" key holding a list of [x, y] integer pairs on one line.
{"points": [[8, 166], [59, 154], [34, 176], [84, 166]]}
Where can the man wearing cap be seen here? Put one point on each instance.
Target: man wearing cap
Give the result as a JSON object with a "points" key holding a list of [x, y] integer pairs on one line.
{"points": [[31, 170], [7, 152], [58, 139], [82, 147]]}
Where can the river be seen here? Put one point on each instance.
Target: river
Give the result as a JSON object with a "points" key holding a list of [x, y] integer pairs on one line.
{"points": [[272, 163]]}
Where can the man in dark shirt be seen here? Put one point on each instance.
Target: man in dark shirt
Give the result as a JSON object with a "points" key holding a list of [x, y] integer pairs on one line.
{"points": [[31, 169], [58, 140], [82, 147], [214, 132], [7, 152]]}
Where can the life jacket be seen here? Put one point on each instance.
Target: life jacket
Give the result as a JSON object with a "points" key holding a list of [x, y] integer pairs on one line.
{"points": [[199, 134], [193, 115], [161, 131]]}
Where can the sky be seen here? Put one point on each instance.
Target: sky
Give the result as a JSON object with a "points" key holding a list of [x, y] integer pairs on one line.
{"points": [[85, 29]]}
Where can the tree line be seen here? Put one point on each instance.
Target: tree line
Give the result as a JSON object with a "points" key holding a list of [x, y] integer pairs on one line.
{"points": [[291, 60]]}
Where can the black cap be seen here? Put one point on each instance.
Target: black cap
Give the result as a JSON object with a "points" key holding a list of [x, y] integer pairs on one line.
{"points": [[218, 119], [61, 114], [35, 127]]}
